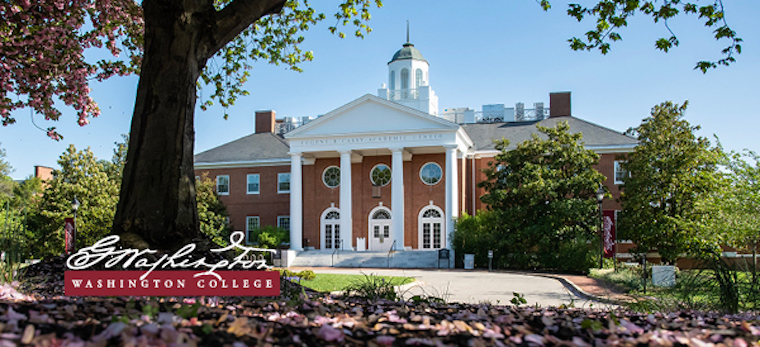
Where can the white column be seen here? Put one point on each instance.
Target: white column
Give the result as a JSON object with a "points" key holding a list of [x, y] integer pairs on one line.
{"points": [[452, 189], [397, 197], [296, 202], [346, 219]]}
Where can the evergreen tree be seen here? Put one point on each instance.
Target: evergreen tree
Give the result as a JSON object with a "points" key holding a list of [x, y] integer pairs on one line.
{"points": [[542, 194], [672, 172]]}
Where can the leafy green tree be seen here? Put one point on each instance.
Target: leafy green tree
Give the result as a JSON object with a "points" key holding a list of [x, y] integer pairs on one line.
{"points": [[673, 172], [83, 176], [95, 183], [6, 182], [212, 212], [170, 43], [542, 194], [740, 206]]}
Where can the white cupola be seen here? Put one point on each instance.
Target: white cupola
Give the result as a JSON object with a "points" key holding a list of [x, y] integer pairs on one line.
{"points": [[408, 80]]}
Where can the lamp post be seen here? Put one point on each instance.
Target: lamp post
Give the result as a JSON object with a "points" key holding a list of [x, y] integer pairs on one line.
{"points": [[599, 199], [75, 207]]}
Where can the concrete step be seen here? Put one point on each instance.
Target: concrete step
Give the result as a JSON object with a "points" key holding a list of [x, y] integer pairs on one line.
{"points": [[352, 259]]}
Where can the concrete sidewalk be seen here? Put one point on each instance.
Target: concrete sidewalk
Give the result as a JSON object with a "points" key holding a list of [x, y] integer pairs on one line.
{"points": [[475, 286]]}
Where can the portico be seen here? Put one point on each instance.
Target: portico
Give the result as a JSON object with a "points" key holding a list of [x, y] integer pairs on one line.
{"points": [[386, 161]]}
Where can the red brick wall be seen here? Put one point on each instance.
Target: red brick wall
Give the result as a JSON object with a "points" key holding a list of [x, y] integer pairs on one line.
{"points": [[267, 205], [607, 167], [317, 197], [419, 194]]}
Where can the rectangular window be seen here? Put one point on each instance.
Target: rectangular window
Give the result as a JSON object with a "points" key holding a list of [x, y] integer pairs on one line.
{"points": [[223, 185], [426, 235], [436, 235], [251, 225], [283, 183], [283, 222], [253, 184], [328, 236], [620, 174], [336, 238]]}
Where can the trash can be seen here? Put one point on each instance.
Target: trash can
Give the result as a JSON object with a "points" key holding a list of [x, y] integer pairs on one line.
{"points": [[469, 261]]}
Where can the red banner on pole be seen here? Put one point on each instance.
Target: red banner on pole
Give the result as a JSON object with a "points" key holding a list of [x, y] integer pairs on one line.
{"points": [[609, 233], [68, 229], [172, 283]]}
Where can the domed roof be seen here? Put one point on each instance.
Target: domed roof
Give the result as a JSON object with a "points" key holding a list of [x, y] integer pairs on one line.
{"points": [[408, 52]]}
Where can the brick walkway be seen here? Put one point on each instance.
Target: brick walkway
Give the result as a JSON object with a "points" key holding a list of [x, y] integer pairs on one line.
{"points": [[596, 287]]}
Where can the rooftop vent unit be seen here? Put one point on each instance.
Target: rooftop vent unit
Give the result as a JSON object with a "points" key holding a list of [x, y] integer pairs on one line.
{"points": [[519, 112]]}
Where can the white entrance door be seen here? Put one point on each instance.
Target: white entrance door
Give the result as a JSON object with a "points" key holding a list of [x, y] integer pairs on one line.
{"points": [[431, 235], [380, 230], [331, 230]]}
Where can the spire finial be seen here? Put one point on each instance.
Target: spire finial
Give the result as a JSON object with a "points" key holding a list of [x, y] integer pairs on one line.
{"points": [[407, 30]]}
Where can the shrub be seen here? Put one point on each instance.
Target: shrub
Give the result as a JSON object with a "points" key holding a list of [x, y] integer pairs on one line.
{"points": [[269, 237], [565, 249], [372, 288]]}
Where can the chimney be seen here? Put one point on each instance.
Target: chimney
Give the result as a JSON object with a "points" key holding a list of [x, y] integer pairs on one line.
{"points": [[264, 122], [43, 172], [559, 104]]}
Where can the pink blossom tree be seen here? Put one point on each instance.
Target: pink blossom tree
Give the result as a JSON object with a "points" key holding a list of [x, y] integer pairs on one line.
{"points": [[168, 43]]}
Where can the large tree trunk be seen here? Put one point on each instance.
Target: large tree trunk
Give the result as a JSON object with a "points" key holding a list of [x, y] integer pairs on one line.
{"points": [[157, 207]]}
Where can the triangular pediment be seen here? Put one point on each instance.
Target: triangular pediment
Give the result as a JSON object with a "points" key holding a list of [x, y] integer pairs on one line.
{"points": [[370, 114]]}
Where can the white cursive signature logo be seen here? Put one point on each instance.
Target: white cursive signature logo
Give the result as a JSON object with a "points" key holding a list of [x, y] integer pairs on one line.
{"points": [[104, 250]]}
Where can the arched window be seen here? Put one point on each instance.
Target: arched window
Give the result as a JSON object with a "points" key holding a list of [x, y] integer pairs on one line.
{"points": [[404, 79], [330, 234], [381, 214], [431, 213], [430, 230], [418, 78], [392, 80]]}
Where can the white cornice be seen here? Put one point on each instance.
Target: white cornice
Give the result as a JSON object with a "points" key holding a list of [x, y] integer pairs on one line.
{"points": [[367, 98]]}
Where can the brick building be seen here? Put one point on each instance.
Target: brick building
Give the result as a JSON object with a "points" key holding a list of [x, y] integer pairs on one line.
{"points": [[383, 171]]}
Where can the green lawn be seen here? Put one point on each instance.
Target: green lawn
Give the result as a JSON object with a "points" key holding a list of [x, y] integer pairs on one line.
{"points": [[694, 289], [337, 282]]}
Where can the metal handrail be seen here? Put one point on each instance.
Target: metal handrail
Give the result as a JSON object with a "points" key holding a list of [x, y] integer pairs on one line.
{"points": [[390, 251], [337, 249]]}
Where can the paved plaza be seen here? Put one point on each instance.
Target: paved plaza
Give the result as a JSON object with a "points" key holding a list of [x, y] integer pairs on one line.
{"points": [[477, 286]]}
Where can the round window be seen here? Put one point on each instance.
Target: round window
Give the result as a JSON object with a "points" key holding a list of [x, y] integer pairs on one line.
{"points": [[380, 175], [331, 177], [431, 173]]}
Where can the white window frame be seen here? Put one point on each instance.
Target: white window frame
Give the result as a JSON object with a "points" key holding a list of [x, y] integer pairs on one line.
{"points": [[248, 228], [228, 185], [325, 172], [280, 181], [372, 181], [439, 168], [248, 183], [421, 221], [279, 222], [617, 169]]}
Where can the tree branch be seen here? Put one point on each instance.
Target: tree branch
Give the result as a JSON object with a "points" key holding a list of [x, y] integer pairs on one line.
{"points": [[237, 16]]}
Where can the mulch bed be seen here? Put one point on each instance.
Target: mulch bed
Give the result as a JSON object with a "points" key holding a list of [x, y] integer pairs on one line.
{"points": [[47, 318]]}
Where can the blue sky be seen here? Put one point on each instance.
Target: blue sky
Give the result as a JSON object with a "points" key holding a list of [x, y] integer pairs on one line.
{"points": [[495, 52]]}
